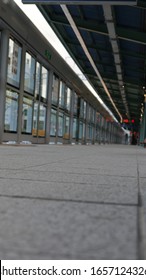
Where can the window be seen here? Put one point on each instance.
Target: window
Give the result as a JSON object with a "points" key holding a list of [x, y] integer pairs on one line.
{"points": [[74, 128], [84, 130], [37, 80], [35, 119], [66, 127], [80, 130], [53, 123], [90, 132], [42, 121], [62, 95], [44, 82], [29, 74], [81, 108], [75, 103], [27, 115], [14, 62], [92, 115], [11, 111], [89, 113], [68, 99], [60, 124], [55, 90], [84, 115], [39, 120]]}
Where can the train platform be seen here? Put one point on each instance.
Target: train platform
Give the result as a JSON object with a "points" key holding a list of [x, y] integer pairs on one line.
{"points": [[72, 202]]}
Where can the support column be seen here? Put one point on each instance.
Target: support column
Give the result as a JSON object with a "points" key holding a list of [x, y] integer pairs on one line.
{"points": [[94, 128], [20, 102], [48, 115], [144, 122], [3, 77], [71, 117], [78, 121]]}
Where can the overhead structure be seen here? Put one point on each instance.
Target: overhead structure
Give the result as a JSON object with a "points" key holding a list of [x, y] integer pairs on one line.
{"points": [[107, 39]]}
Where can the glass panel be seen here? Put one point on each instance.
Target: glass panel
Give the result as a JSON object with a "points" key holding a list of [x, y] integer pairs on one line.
{"points": [[35, 119], [68, 99], [14, 62], [11, 111], [89, 113], [84, 109], [62, 95], [29, 73], [37, 80], [27, 115], [44, 81], [53, 122], [75, 103], [60, 124], [81, 108], [42, 121], [80, 130], [90, 132], [93, 115], [102, 121], [55, 90], [66, 128], [74, 128], [84, 130]]}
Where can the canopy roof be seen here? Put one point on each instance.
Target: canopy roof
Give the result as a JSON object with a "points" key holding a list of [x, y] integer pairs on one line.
{"points": [[107, 39]]}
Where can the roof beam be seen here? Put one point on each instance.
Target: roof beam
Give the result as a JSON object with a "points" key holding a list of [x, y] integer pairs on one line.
{"points": [[116, 52], [80, 2], [96, 47], [92, 26], [82, 43], [131, 82]]}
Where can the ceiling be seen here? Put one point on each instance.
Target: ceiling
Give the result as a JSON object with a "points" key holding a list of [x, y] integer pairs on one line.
{"points": [[107, 39]]}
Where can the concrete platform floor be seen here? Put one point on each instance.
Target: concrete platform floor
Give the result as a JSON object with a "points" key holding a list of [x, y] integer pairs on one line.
{"points": [[72, 202]]}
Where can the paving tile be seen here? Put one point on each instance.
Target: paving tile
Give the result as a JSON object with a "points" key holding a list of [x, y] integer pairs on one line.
{"points": [[32, 229], [71, 202], [125, 193]]}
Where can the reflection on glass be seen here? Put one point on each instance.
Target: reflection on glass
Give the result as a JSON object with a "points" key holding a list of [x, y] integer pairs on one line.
{"points": [[83, 131], [81, 108], [80, 130], [90, 132], [27, 115], [75, 103], [37, 80], [35, 119], [14, 62], [11, 111], [74, 128], [66, 127], [29, 73], [55, 90], [68, 99], [53, 123], [44, 81], [62, 95], [84, 110], [93, 115], [42, 121], [89, 112], [60, 124]]}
